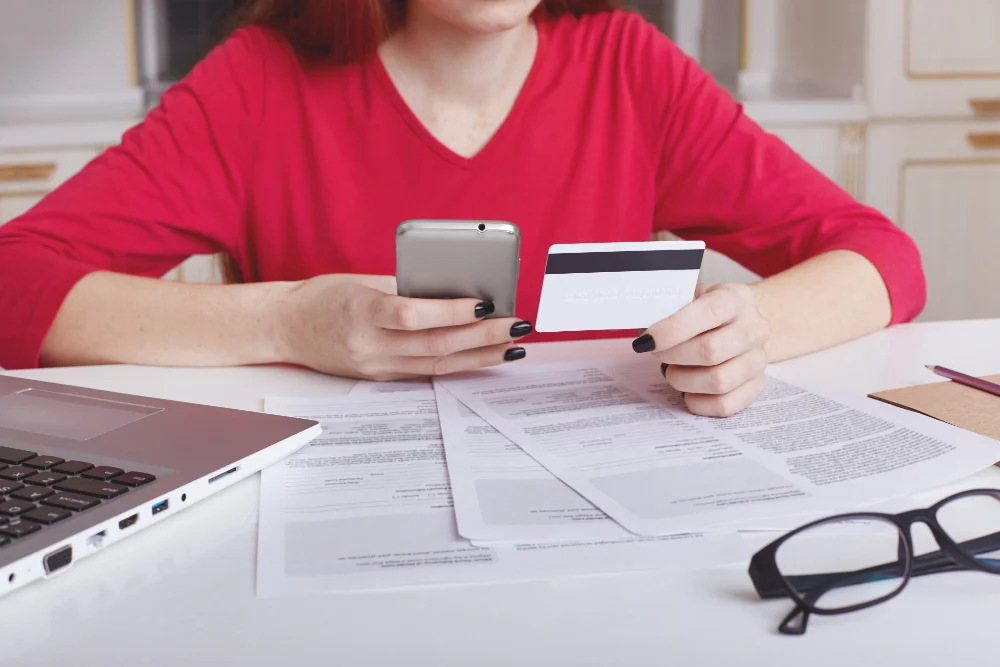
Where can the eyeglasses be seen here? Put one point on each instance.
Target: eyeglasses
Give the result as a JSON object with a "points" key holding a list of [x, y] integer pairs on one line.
{"points": [[830, 576]]}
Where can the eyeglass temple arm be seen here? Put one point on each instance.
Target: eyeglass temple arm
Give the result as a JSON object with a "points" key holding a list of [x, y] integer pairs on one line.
{"points": [[797, 620], [939, 561], [929, 563]]}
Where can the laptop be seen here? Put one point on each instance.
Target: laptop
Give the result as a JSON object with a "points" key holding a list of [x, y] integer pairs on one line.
{"points": [[82, 469]]}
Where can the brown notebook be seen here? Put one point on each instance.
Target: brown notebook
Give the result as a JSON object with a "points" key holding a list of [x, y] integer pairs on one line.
{"points": [[952, 403]]}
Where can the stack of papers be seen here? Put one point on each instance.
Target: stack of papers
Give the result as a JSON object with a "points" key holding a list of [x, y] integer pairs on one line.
{"points": [[534, 471]]}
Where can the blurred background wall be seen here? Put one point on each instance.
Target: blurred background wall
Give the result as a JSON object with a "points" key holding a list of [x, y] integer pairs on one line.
{"points": [[898, 101]]}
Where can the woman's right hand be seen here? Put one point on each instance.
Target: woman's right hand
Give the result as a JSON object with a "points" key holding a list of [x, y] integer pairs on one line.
{"points": [[356, 326]]}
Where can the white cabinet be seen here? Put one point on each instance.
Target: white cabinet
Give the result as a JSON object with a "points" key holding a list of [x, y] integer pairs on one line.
{"points": [[955, 38], [934, 142], [933, 58], [836, 150], [941, 183], [200, 269], [26, 176], [197, 269], [67, 61], [817, 145], [40, 171], [11, 206]]}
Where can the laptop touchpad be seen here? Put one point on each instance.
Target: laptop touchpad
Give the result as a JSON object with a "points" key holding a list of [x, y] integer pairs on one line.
{"points": [[67, 416]]}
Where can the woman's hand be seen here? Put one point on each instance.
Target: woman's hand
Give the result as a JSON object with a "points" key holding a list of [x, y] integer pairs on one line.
{"points": [[356, 326], [712, 350]]}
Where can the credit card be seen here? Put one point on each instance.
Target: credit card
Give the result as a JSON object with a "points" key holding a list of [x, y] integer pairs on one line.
{"points": [[609, 286]]}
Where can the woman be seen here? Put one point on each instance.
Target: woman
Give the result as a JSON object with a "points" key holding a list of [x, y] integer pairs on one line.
{"points": [[299, 144]]}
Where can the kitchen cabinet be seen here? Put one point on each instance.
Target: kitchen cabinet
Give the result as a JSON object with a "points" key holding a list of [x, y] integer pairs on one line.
{"points": [[11, 206], [28, 175], [933, 164], [836, 150], [40, 171], [820, 146], [200, 269], [941, 183], [933, 58]]}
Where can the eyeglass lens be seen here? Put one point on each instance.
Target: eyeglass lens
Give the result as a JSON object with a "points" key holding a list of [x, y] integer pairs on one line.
{"points": [[825, 567], [973, 522]]}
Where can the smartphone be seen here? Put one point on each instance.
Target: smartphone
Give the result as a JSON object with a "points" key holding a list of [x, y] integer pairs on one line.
{"points": [[452, 259]]}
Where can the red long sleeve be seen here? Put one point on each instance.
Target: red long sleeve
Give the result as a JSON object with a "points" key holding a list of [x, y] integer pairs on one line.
{"points": [[174, 187], [298, 168], [743, 191]]}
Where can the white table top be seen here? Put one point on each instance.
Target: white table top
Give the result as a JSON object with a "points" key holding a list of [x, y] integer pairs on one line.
{"points": [[183, 592]]}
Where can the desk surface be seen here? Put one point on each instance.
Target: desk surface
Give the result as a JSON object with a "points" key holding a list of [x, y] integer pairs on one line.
{"points": [[183, 593]]}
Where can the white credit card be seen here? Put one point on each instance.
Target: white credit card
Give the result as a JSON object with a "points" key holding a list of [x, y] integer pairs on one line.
{"points": [[608, 286]]}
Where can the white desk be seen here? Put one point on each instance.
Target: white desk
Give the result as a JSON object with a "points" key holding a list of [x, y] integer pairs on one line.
{"points": [[183, 593]]}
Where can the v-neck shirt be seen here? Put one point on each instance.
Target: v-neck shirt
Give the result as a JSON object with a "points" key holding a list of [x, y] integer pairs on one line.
{"points": [[381, 73], [297, 167]]}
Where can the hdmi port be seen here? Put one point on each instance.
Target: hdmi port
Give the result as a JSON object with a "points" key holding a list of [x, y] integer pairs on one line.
{"points": [[128, 521]]}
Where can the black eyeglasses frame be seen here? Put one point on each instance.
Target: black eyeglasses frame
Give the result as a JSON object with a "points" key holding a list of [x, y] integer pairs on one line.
{"points": [[771, 584]]}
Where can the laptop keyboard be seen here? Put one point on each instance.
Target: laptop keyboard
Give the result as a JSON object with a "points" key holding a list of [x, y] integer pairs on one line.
{"points": [[37, 490]]}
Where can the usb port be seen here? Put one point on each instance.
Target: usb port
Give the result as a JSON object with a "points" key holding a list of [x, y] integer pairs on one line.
{"points": [[160, 506], [128, 521]]}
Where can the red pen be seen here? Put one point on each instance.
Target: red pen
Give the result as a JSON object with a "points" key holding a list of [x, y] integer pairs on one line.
{"points": [[967, 380]]}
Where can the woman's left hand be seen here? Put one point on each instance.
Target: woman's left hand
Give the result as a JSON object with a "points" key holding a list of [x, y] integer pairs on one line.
{"points": [[713, 349]]}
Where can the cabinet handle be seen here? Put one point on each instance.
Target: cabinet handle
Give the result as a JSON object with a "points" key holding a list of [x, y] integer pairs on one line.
{"points": [[984, 107], [984, 141], [27, 172]]}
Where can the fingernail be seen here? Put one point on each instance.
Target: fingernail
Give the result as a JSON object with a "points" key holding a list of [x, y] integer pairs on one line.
{"points": [[520, 330], [644, 343], [663, 370], [514, 353], [485, 308]]}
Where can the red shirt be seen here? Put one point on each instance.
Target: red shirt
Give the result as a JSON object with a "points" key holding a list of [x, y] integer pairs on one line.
{"points": [[300, 168]]}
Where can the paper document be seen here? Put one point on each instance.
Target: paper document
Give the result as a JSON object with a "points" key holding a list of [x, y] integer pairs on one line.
{"points": [[368, 388], [502, 494], [615, 432], [367, 505]]}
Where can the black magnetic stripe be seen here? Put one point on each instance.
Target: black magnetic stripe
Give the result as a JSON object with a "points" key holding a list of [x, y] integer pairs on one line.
{"points": [[624, 260]]}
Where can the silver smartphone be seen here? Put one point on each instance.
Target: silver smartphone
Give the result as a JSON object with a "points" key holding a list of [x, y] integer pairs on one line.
{"points": [[450, 259]]}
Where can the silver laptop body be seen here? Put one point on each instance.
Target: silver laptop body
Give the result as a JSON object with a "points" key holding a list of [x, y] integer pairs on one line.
{"points": [[82, 469]]}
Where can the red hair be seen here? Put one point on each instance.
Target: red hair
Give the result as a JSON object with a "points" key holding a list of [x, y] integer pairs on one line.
{"points": [[347, 31]]}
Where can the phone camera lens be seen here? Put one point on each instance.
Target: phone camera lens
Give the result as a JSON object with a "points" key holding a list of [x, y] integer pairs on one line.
{"points": [[482, 227]]}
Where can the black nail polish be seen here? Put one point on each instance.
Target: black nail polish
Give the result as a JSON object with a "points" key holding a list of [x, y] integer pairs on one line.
{"points": [[520, 330], [644, 343], [485, 308], [514, 353], [663, 369]]}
